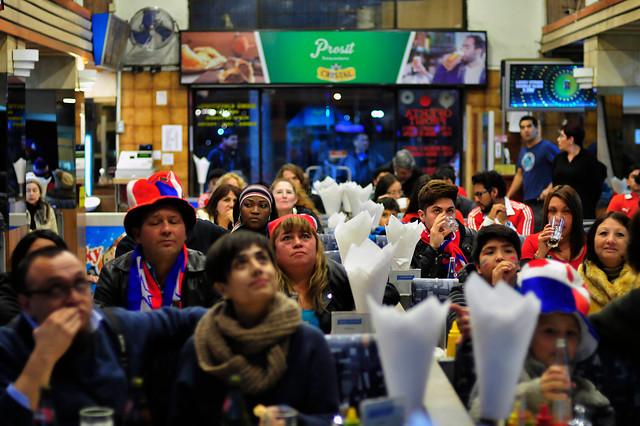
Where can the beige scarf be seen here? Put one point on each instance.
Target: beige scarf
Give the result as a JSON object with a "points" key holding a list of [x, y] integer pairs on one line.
{"points": [[258, 354], [601, 290]]}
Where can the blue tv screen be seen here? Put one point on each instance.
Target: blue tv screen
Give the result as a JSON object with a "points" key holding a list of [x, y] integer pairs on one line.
{"points": [[547, 86]]}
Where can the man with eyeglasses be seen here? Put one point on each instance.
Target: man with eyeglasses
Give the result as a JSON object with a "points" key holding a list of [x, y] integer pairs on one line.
{"points": [[493, 207], [60, 340]]}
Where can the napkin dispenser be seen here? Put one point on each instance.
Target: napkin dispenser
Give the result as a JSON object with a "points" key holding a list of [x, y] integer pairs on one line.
{"points": [[402, 279], [422, 288], [351, 322]]}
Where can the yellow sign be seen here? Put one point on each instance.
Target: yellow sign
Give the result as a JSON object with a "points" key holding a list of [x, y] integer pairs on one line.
{"points": [[336, 75]]}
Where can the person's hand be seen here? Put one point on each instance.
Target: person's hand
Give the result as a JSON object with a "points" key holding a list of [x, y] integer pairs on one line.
{"points": [[463, 320], [437, 231], [56, 333], [498, 211], [229, 214], [543, 241], [505, 271], [555, 383]]}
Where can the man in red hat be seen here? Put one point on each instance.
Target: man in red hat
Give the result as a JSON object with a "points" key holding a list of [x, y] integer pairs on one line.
{"points": [[161, 270]]}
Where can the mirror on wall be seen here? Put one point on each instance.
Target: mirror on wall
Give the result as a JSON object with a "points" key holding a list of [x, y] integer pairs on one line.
{"points": [[50, 144]]}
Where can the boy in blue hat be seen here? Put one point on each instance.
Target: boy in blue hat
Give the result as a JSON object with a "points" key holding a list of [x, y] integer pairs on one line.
{"points": [[564, 305]]}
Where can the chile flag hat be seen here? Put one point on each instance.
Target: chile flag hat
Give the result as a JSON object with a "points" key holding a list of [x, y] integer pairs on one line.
{"points": [[561, 289], [161, 189]]}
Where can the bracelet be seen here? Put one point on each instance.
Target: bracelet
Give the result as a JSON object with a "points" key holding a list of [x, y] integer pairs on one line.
{"points": [[535, 255]]}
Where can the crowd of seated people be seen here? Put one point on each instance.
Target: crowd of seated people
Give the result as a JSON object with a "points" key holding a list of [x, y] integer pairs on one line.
{"points": [[244, 288]]}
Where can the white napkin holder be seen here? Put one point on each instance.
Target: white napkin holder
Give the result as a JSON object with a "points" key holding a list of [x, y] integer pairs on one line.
{"points": [[382, 411], [350, 322], [401, 279]]}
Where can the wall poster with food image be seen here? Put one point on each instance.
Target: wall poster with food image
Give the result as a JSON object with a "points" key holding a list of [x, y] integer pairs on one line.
{"points": [[220, 57], [450, 58]]}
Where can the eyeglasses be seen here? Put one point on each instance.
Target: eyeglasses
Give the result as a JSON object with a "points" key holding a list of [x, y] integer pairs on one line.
{"points": [[61, 292], [479, 194], [398, 193]]}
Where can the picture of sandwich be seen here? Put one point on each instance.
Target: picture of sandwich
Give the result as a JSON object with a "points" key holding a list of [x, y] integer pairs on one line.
{"points": [[201, 58]]}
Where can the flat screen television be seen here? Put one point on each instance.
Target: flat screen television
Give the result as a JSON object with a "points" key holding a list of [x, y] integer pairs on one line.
{"points": [[530, 86]]}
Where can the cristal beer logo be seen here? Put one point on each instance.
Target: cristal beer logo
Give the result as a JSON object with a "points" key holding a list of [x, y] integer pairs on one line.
{"points": [[336, 73]]}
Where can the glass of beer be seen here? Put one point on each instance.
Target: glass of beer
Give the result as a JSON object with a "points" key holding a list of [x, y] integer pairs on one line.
{"points": [[452, 60], [557, 223]]}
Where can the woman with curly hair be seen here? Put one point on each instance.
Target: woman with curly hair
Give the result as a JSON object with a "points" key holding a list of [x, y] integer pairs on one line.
{"points": [[321, 284]]}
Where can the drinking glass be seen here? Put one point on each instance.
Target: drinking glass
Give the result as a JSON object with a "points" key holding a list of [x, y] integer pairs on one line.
{"points": [[557, 223], [96, 416]]}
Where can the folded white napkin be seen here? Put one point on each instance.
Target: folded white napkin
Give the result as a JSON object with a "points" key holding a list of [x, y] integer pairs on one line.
{"points": [[354, 231], [375, 210], [19, 167], [502, 322], [353, 195], [405, 237], [336, 219], [330, 193], [202, 167], [406, 341], [367, 267]]}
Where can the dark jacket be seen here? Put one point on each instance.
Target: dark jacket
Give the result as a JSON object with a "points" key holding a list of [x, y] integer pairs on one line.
{"points": [[429, 260], [309, 385], [9, 306], [200, 238], [113, 283], [92, 375], [336, 296]]}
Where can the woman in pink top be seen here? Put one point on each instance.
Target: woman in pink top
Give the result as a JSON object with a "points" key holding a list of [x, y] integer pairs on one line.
{"points": [[562, 202]]}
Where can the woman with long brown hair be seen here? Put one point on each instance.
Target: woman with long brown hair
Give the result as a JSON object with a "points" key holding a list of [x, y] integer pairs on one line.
{"points": [[563, 203]]}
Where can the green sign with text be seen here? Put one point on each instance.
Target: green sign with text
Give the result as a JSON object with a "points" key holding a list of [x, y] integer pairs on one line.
{"points": [[334, 57]]}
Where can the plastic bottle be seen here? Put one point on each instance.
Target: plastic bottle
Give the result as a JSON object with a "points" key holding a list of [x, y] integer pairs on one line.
{"points": [[137, 412], [234, 409], [452, 273], [45, 414], [452, 338], [561, 408], [544, 418], [351, 419]]}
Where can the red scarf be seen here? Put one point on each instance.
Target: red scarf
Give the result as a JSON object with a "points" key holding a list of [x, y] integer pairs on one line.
{"points": [[449, 246]]}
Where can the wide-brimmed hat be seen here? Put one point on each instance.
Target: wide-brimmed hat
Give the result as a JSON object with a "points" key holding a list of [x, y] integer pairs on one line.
{"points": [[561, 289], [144, 195]]}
